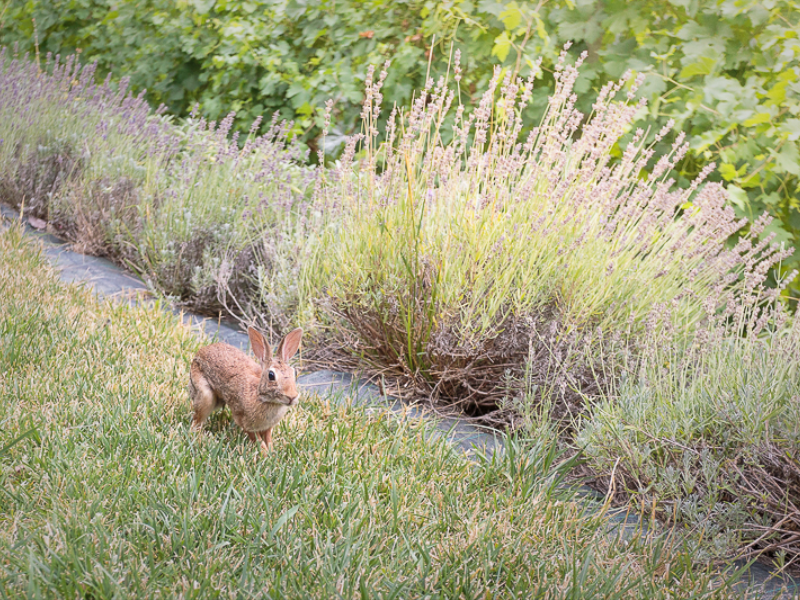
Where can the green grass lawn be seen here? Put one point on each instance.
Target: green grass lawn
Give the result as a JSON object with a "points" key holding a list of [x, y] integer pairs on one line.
{"points": [[109, 495]]}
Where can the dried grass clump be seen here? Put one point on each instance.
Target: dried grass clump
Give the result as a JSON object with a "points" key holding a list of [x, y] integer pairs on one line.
{"points": [[770, 482], [86, 219], [36, 172]]}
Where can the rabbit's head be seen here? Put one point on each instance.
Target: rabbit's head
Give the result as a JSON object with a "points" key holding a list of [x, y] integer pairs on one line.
{"points": [[278, 384]]}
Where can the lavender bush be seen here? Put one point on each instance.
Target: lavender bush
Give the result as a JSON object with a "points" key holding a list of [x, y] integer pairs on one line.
{"points": [[453, 264], [226, 218], [185, 205], [707, 435], [61, 132]]}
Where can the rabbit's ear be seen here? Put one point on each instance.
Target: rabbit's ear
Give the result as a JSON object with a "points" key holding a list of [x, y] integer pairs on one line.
{"points": [[289, 345], [261, 348]]}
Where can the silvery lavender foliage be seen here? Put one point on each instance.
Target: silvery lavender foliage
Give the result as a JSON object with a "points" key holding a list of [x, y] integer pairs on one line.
{"points": [[187, 205], [259, 190], [229, 211], [56, 117]]}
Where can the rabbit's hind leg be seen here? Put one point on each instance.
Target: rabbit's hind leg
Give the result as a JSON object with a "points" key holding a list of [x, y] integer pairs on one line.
{"points": [[204, 400]]}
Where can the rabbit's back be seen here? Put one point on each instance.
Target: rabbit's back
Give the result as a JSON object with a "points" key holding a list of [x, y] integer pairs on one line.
{"points": [[232, 375]]}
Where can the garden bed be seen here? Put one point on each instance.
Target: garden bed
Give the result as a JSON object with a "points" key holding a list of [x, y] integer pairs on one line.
{"points": [[520, 276]]}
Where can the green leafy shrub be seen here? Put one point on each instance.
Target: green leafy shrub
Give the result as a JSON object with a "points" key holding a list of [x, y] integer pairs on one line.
{"points": [[728, 73]]}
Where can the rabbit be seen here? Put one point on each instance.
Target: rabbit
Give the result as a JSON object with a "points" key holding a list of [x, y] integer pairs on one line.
{"points": [[259, 395]]}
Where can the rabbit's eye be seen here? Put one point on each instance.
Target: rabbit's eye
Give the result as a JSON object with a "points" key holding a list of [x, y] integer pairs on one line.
{"points": [[271, 375]]}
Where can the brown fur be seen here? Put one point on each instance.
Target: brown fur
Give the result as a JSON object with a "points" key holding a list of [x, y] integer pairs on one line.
{"points": [[221, 374]]}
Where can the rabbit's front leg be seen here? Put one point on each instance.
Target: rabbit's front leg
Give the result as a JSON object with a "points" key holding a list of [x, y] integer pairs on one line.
{"points": [[266, 440], [256, 437]]}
